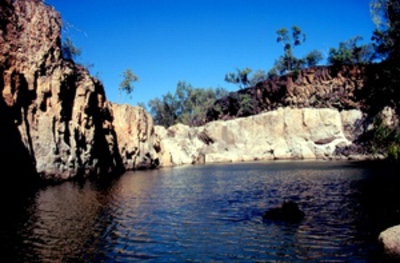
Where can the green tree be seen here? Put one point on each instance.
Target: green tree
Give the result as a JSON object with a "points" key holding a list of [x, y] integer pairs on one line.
{"points": [[273, 72], [126, 84], [193, 103], [383, 78], [384, 81], [142, 105], [258, 76], [246, 105], [313, 58], [188, 105], [69, 50], [386, 16], [220, 93], [349, 53], [164, 110], [240, 78], [288, 62]]}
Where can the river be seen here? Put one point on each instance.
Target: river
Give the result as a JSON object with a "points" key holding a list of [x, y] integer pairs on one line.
{"points": [[209, 213]]}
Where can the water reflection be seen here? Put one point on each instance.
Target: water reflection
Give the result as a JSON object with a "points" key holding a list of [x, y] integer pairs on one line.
{"points": [[208, 213]]}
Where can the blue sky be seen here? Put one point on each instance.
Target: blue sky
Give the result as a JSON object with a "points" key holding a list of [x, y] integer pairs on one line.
{"points": [[198, 41]]}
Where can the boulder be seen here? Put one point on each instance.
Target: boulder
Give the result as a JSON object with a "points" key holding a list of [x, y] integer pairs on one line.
{"points": [[390, 238], [288, 212]]}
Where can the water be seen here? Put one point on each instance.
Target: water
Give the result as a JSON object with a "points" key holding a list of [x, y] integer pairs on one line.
{"points": [[209, 213]]}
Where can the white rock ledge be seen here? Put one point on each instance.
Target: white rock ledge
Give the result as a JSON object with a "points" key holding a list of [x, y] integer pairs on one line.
{"points": [[283, 134]]}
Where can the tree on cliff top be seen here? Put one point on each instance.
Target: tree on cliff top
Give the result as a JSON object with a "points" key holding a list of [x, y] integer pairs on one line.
{"points": [[241, 78], [126, 85], [69, 50], [313, 58], [288, 62], [350, 53], [188, 105]]}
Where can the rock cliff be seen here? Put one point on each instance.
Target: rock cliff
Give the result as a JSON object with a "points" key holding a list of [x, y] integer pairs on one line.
{"points": [[55, 120], [284, 133], [318, 87], [137, 143]]}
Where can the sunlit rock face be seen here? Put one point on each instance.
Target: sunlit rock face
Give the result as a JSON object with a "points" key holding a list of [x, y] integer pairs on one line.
{"points": [[136, 139], [55, 119], [285, 133], [390, 239], [56, 123]]}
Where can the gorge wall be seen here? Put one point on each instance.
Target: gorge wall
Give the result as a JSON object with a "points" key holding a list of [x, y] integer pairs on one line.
{"points": [[284, 133], [55, 120], [56, 123]]}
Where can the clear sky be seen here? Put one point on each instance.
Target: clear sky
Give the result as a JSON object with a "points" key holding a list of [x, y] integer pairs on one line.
{"points": [[199, 41]]}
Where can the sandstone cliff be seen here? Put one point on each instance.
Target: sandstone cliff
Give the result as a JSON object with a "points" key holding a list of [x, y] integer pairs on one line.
{"points": [[55, 120], [137, 142], [280, 134]]}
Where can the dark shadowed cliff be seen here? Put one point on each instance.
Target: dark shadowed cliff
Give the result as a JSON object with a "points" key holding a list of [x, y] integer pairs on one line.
{"points": [[55, 120], [318, 87]]}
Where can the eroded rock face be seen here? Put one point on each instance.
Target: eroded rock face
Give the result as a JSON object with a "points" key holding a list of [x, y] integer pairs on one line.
{"points": [[318, 87], [281, 134], [55, 119], [136, 140]]}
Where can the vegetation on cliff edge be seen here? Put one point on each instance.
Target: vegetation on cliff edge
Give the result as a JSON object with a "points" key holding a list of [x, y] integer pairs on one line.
{"points": [[381, 88]]}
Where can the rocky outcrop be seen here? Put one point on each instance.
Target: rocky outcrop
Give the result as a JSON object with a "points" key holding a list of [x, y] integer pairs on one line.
{"points": [[56, 122], [318, 87], [289, 212], [390, 239], [136, 139], [285, 133], [55, 119]]}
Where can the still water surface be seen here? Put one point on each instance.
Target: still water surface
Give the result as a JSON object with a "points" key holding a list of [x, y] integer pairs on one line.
{"points": [[206, 213]]}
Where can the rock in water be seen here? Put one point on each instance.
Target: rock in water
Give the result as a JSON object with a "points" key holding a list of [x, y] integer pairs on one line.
{"points": [[288, 212], [390, 238]]}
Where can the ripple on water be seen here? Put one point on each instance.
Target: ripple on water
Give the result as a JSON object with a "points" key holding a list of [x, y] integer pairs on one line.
{"points": [[203, 213]]}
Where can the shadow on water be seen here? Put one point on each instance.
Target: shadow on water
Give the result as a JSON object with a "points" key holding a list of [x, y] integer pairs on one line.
{"points": [[378, 196], [18, 207], [57, 223], [19, 180], [210, 213]]}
